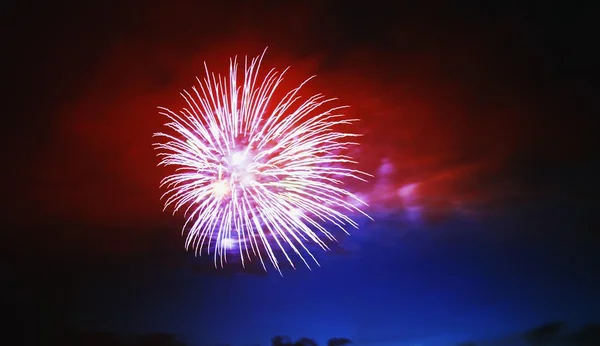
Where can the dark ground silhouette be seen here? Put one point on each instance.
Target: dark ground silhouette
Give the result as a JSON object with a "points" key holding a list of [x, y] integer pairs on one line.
{"points": [[554, 333], [549, 334]]}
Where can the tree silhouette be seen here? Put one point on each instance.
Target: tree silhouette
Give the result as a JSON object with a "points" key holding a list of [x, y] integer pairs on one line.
{"points": [[587, 336], [281, 340], [338, 342], [304, 341], [158, 339], [544, 333]]}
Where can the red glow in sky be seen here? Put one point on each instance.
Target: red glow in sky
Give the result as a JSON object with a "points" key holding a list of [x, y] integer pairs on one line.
{"points": [[100, 166], [442, 121]]}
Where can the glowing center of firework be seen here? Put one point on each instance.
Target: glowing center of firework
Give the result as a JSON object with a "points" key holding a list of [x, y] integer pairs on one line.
{"points": [[228, 243], [221, 188], [238, 158], [234, 172]]}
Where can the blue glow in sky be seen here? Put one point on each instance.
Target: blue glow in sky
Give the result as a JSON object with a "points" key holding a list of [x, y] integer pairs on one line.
{"points": [[397, 285]]}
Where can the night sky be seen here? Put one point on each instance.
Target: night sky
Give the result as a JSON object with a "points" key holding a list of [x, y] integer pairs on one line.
{"points": [[478, 129]]}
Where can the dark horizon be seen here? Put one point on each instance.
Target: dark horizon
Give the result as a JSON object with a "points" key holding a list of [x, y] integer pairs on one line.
{"points": [[478, 124]]}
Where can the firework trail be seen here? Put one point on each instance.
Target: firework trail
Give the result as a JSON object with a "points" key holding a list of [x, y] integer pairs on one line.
{"points": [[257, 176]]}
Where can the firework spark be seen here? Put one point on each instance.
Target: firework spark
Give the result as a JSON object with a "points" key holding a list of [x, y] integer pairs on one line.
{"points": [[258, 176]]}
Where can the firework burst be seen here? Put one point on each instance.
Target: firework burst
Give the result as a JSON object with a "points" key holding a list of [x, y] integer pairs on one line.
{"points": [[258, 176]]}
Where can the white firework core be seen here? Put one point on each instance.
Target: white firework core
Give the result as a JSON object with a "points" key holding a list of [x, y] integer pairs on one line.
{"points": [[258, 176]]}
